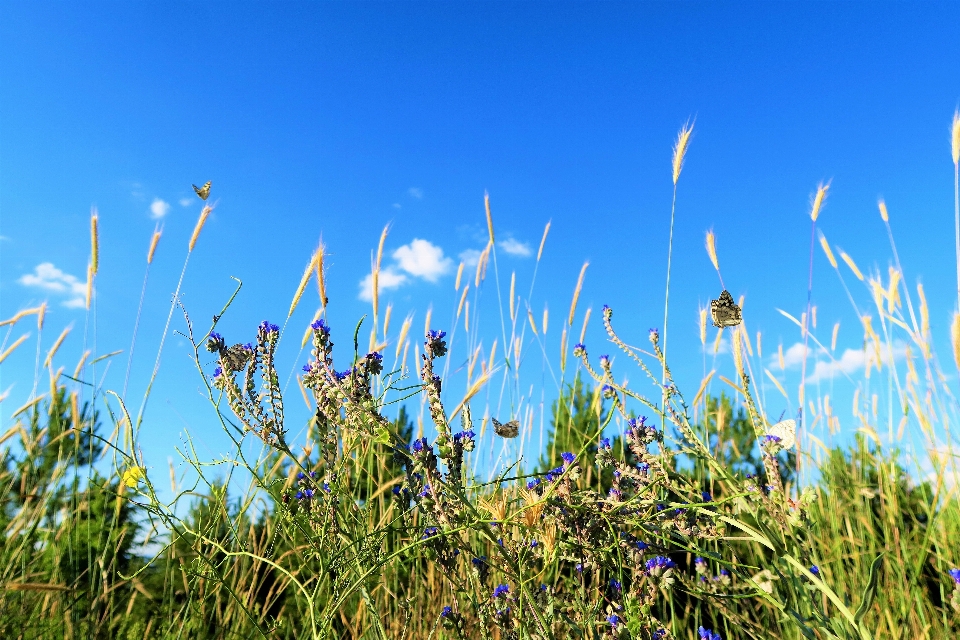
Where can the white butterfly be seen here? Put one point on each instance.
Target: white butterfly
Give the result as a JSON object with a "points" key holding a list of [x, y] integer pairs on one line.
{"points": [[786, 430]]}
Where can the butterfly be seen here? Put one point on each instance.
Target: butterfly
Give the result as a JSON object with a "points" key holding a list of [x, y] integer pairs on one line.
{"points": [[725, 312], [509, 430], [235, 358], [786, 430], [204, 191]]}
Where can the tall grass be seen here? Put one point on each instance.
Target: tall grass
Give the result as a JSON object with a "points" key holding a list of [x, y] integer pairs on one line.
{"points": [[692, 524]]}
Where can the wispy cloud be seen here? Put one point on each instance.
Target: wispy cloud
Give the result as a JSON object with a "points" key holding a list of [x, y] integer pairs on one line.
{"points": [[185, 202], [396, 205], [49, 278], [388, 278], [415, 192], [516, 248], [849, 362], [470, 257], [419, 259], [159, 208]]}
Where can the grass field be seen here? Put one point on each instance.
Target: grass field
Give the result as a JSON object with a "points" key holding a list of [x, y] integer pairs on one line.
{"points": [[689, 522]]}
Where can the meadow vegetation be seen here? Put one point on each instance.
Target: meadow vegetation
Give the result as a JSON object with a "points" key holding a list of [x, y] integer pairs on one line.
{"points": [[644, 517]]}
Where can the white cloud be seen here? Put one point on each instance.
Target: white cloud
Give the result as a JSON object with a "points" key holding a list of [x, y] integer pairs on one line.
{"points": [[419, 259], [423, 260], [159, 208], [416, 192], [851, 361], [185, 202], [388, 278], [470, 257], [49, 278], [396, 205], [516, 248]]}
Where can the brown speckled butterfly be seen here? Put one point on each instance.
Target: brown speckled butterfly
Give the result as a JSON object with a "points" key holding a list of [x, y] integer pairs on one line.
{"points": [[725, 312], [509, 430], [235, 358], [204, 191]]}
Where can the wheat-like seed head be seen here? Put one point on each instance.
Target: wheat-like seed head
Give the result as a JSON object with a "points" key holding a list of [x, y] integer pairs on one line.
{"points": [[41, 314], [924, 320], [583, 329], [738, 350], [533, 323], [80, 363], [852, 265], [463, 298], [321, 277], [716, 341], [513, 287], [703, 327], [576, 293], [759, 349], [304, 279], [893, 291], [153, 243], [56, 346], [546, 316], [712, 249], [94, 240], [426, 324], [826, 250], [680, 150], [202, 220], [486, 205], [482, 264], [533, 508], [833, 340], [955, 137], [563, 349], [466, 317], [404, 328], [818, 200], [456, 286], [386, 320], [780, 356], [11, 348], [543, 240], [309, 332], [813, 316], [883, 210], [173, 476], [89, 292]]}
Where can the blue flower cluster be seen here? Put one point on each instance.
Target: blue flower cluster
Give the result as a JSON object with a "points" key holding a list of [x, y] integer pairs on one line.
{"points": [[435, 343], [267, 327], [955, 574], [501, 591], [707, 634]]}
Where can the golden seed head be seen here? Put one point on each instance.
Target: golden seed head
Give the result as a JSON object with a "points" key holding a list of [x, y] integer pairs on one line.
{"points": [[712, 249], [826, 250], [852, 265], [576, 293], [703, 327], [202, 220], [94, 240], [153, 243], [533, 323], [546, 316], [955, 137], [680, 150], [486, 205], [883, 210], [955, 338], [456, 286], [321, 277], [818, 200], [543, 240]]}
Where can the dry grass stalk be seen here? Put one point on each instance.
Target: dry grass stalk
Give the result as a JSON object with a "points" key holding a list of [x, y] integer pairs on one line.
{"points": [[576, 293], [386, 319], [154, 241], [513, 287], [680, 150], [583, 329], [456, 286], [780, 356], [712, 249], [404, 328], [486, 205], [426, 323], [202, 220], [833, 339], [466, 317], [716, 341], [852, 265], [818, 201], [304, 279], [321, 277], [56, 346], [482, 264], [543, 240], [80, 363], [883, 211], [826, 250], [533, 323], [94, 240], [11, 348], [21, 314], [463, 298], [738, 351], [955, 138]]}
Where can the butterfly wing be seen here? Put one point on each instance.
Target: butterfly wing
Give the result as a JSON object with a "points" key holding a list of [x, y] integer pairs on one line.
{"points": [[506, 430], [786, 430], [724, 311], [235, 358], [204, 191]]}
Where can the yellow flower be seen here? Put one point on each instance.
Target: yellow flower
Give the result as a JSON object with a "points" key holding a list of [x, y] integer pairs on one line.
{"points": [[132, 476]]}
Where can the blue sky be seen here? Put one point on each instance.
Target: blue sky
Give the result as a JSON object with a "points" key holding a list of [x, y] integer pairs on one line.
{"points": [[335, 119]]}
